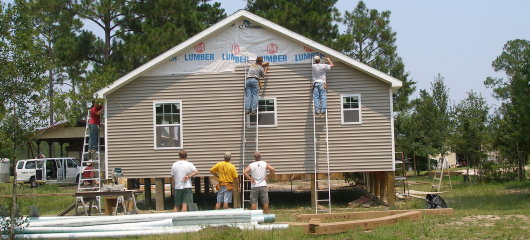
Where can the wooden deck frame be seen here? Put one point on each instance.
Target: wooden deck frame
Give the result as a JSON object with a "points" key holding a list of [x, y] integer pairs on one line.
{"points": [[345, 216], [316, 228], [363, 220]]}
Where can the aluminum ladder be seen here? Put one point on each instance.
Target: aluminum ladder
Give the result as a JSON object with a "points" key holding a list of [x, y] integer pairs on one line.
{"points": [[250, 142], [90, 184], [322, 179], [439, 175]]}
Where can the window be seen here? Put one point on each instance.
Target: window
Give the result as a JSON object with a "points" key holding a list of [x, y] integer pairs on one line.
{"points": [[20, 165], [351, 109], [30, 165], [167, 125], [71, 163], [266, 113]]}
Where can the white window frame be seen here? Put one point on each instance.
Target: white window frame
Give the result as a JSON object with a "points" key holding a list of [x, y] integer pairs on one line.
{"points": [[275, 113], [342, 96], [161, 125]]}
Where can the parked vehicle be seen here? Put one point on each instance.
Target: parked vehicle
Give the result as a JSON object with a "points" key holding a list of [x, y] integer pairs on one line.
{"points": [[48, 170], [421, 164]]}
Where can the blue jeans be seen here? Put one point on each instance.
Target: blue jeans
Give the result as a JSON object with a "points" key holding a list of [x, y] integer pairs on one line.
{"points": [[319, 97], [93, 130], [224, 196], [251, 95]]}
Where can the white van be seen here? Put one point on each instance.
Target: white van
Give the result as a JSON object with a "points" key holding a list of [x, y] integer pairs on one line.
{"points": [[48, 170]]}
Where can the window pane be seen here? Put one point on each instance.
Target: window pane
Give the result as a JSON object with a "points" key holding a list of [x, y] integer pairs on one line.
{"points": [[30, 165], [159, 109], [168, 136], [355, 102], [175, 118], [20, 165], [175, 108], [167, 108], [270, 108], [266, 119], [261, 108], [351, 116], [159, 118]]}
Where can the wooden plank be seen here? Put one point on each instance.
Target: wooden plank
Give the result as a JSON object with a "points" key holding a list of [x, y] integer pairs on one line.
{"points": [[159, 194], [365, 224], [328, 217]]}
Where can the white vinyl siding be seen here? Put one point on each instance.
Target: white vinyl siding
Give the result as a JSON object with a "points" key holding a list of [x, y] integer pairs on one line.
{"points": [[350, 108], [167, 125]]}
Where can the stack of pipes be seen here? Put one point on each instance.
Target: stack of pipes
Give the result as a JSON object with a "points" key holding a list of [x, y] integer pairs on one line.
{"points": [[145, 224]]}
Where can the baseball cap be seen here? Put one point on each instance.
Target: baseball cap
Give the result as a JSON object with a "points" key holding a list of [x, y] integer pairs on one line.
{"points": [[316, 58]]}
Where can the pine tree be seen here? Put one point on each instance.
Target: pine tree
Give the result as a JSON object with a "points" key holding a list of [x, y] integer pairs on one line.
{"points": [[314, 19], [370, 40]]}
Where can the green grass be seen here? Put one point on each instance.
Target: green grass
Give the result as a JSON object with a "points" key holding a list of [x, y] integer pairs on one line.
{"points": [[482, 211], [50, 205]]}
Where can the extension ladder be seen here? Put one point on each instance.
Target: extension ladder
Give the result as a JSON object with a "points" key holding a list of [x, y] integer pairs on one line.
{"points": [[92, 183], [250, 141], [439, 174], [322, 180]]}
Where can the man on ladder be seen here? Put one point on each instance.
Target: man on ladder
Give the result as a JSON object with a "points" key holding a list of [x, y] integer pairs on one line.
{"points": [[318, 87], [93, 126], [252, 86]]}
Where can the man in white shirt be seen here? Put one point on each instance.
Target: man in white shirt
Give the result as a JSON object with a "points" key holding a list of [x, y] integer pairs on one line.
{"points": [[319, 84], [258, 178], [181, 173]]}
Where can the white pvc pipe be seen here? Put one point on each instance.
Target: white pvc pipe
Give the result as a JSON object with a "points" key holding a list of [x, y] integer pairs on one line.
{"points": [[107, 234], [101, 228], [99, 220]]}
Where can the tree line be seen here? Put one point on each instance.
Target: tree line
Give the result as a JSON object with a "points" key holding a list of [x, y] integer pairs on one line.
{"points": [[51, 65]]}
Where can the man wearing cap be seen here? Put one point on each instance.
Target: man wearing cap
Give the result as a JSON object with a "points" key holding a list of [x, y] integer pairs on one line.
{"points": [[319, 84], [226, 172], [255, 72]]}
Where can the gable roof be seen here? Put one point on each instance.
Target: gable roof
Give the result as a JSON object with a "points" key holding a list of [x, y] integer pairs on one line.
{"points": [[394, 83]]}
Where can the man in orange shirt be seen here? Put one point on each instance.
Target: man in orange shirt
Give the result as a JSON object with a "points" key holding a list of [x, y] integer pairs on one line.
{"points": [[226, 172]]}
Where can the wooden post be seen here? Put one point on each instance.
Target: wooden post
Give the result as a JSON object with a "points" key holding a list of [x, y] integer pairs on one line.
{"points": [[382, 185], [313, 192], [159, 197], [197, 183], [377, 183], [130, 183], [147, 192], [236, 196], [371, 176], [207, 185], [390, 195]]}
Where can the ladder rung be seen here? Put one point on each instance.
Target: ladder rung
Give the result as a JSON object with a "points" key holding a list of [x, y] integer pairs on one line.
{"points": [[88, 179], [323, 190], [322, 200]]}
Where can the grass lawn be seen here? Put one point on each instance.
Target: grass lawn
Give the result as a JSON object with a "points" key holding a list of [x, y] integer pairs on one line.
{"points": [[482, 211]]}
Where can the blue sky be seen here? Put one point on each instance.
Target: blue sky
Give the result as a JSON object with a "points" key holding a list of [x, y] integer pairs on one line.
{"points": [[456, 38]]}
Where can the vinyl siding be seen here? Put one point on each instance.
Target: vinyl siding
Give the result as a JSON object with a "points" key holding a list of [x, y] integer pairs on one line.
{"points": [[212, 106]]}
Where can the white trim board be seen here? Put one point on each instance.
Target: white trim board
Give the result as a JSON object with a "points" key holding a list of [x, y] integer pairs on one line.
{"points": [[395, 84]]}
